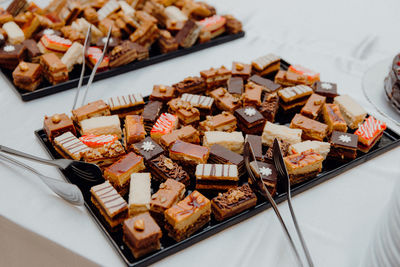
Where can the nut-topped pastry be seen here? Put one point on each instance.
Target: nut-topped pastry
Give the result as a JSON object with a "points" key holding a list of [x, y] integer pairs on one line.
{"points": [[168, 194], [224, 100], [58, 124], [187, 134], [225, 122], [162, 93], [216, 77], [164, 168], [193, 85], [187, 216], [312, 129], [233, 202], [185, 111], [241, 70], [141, 234], [252, 94], [313, 106]]}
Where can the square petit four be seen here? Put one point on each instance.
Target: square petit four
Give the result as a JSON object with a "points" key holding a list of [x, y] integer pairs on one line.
{"points": [[187, 216], [134, 130], [343, 146], [93, 109], [233, 202], [27, 76], [58, 124], [110, 204], [286, 78], [212, 26], [189, 153], [267, 173], [33, 52], [193, 85], [162, 93], [333, 118], [224, 100], [165, 124], [141, 234], [14, 33], [269, 107], [255, 144], [225, 122], [164, 168], [216, 77], [166, 42], [101, 125], [132, 104], [216, 176], [303, 166], [54, 70], [313, 106], [268, 85], [187, 134], [119, 173], [54, 44], [168, 194], [269, 155], [147, 148], [184, 110], [122, 54], [311, 129], [241, 70], [250, 120], [352, 112], [235, 86], [11, 55], [266, 64], [189, 33], [322, 148], [203, 103], [311, 76], [282, 132], [369, 133], [232, 25], [292, 97], [233, 141], [139, 193], [222, 155], [150, 114], [69, 146], [329, 90], [252, 94], [103, 153]]}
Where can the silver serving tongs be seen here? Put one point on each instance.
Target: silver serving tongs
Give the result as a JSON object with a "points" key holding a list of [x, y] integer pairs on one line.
{"points": [[281, 168], [262, 190], [85, 51]]}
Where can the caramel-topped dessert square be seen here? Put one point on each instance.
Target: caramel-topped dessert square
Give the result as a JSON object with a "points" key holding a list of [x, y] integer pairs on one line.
{"points": [[303, 166]]}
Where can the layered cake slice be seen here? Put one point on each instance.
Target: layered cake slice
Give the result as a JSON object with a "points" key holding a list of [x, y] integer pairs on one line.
{"points": [[134, 130], [322, 148], [119, 173], [58, 124], [141, 234], [282, 132], [69, 146], [251, 121], [369, 133], [311, 129], [102, 125], [292, 97], [139, 193], [27, 76], [303, 166], [104, 149], [233, 141], [267, 173], [132, 104], [216, 176], [266, 64], [163, 168], [333, 118], [189, 153], [187, 134], [224, 100], [313, 106], [165, 124], [147, 148], [222, 155], [233, 202], [185, 111], [168, 194], [343, 146], [93, 109], [111, 205], [187, 216], [352, 112], [225, 122]]}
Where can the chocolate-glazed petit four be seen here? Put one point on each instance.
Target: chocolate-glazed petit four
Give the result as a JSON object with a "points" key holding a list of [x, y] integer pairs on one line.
{"points": [[267, 173], [343, 146], [235, 86], [193, 85], [329, 90], [147, 148], [164, 168], [11, 55], [150, 114], [268, 85], [250, 120]]}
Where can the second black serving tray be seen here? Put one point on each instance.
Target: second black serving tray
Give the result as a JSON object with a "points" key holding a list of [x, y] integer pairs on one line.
{"points": [[330, 169], [46, 88]]}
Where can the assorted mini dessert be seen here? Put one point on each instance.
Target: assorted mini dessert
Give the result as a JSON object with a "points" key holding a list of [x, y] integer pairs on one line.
{"points": [[46, 44], [175, 162]]}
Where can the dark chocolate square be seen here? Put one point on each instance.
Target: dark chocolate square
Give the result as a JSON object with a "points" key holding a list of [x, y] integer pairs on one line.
{"points": [[152, 111], [256, 144], [267, 83], [148, 148], [235, 85], [249, 116], [225, 155], [267, 171], [326, 89], [346, 140]]}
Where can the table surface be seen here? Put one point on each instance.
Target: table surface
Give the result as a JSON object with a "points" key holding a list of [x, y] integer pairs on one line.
{"points": [[340, 39]]}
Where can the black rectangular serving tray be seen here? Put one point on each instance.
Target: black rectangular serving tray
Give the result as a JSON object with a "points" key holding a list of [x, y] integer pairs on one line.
{"points": [[154, 57], [389, 140]]}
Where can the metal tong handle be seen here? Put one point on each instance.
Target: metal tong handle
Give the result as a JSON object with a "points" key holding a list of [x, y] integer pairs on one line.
{"points": [[265, 193], [66, 191], [280, 165], [14, 152], [85, 49], [96, 66]]}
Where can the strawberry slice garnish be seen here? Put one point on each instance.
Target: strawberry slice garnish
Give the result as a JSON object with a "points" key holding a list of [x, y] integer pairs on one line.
{"points": [[93, 140]]}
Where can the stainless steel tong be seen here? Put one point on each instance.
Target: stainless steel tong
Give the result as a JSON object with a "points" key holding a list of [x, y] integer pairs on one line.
{"points": [[66, 191], [262, 189], [86, 47]]}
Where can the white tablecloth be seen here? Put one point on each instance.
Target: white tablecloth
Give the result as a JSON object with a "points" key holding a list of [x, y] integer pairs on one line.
{"points": [[339, 38]]}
